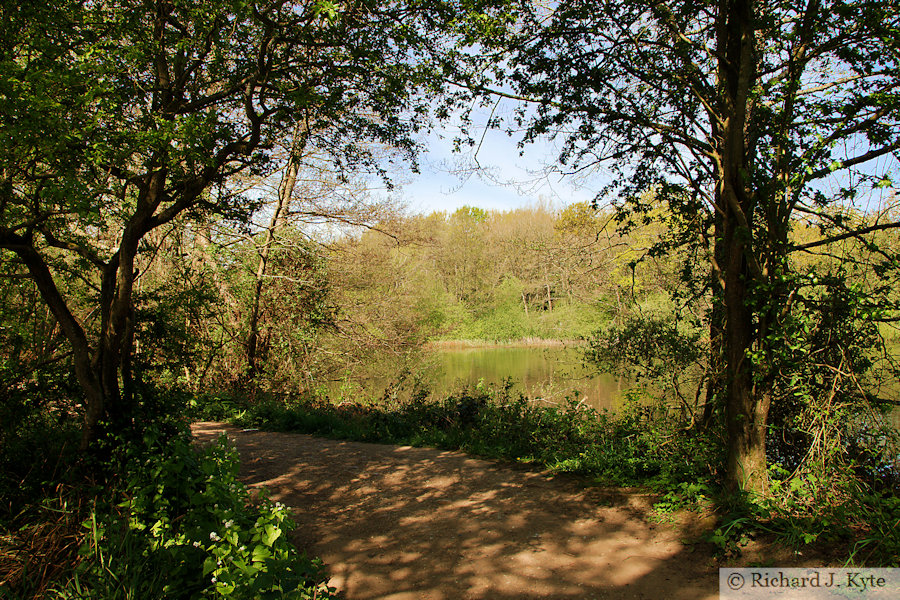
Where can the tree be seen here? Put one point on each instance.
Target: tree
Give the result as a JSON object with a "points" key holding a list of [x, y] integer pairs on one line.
{"points": [[309, 206], [745, 116], [119, 117]]}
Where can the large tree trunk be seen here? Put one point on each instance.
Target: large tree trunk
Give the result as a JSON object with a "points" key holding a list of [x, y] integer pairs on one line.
{"points": [[746, 411], [715, 380], [746, 404]]}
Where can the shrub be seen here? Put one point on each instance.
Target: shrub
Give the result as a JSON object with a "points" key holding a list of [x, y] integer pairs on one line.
{"points": [[172, 521]]}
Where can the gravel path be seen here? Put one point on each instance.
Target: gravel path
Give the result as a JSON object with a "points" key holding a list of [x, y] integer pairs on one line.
{"points": [[402, 523]]}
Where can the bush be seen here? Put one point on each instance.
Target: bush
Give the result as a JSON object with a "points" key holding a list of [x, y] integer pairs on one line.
{"points": [[185, 527], [642, 445]]}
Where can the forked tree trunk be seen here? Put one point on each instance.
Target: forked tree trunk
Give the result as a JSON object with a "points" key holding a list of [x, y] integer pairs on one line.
{"points": [[102, 364], [98, 366]]}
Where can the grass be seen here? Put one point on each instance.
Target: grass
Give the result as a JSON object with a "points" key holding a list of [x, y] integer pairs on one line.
{"points": [[39, 545]]}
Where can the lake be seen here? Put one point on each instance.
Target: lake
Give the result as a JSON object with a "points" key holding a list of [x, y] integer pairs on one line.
{"points": [[545, 373]]}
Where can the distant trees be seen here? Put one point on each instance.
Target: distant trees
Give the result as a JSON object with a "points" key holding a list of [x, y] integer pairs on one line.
{"points": [[495, 275]]}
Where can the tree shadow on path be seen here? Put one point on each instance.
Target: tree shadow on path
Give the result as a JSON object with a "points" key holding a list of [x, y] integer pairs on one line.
{"points": [[402, 523]]}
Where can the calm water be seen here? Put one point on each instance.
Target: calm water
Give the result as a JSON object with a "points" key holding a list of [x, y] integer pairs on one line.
{"points": [[549, 374]]}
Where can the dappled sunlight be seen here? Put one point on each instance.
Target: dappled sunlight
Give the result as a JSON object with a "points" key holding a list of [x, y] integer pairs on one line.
{"points": [[397, 523]]}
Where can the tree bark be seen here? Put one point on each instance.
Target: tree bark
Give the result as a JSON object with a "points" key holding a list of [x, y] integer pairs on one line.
{"points": [[715, 382], [745, 413], [746, 407]]}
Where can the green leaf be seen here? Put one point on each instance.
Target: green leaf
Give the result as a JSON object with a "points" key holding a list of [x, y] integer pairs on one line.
{"points": [[270, 534], [260, 554]]}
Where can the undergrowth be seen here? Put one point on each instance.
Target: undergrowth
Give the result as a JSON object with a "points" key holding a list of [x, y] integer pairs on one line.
{"points": [[635, 447], [168, 520]]}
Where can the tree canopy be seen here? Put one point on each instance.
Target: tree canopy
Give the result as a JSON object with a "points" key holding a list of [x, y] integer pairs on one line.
{"points": [[748, 117], [119, 117]]}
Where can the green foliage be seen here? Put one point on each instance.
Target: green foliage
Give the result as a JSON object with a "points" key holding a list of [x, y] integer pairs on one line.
{"points": [[686, 495], [641, 445], [121, 118], [34, 451], [183, 526], [708, 112], [733, 533], [648, 346], [470, 215], [170, 520], [875, 517], [657, 348], [211, 406], [293, 306], [533, 272], [500, 318], [820, 364], [168, 322], [36, 383], [845, 516]]}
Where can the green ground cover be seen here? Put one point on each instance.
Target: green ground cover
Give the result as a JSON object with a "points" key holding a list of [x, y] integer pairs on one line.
{"points": [[162, 519]]}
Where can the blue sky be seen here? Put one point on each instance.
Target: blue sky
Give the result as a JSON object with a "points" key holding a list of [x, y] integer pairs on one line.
{"points": [[506, 180], [509, 181]]}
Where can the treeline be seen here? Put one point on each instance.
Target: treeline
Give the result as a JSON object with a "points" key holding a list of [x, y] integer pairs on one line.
{"points": [[279, 308], [290, 303], [501, 276]]}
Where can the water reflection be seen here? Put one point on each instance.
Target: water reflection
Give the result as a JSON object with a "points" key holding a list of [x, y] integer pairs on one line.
{"points": [[548, 374]]}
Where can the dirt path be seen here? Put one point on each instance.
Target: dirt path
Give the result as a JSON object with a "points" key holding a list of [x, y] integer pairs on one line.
{"points": [[401, 523]]}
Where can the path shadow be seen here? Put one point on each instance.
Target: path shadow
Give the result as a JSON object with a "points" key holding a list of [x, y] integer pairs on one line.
{"points": [[402, 523]]}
